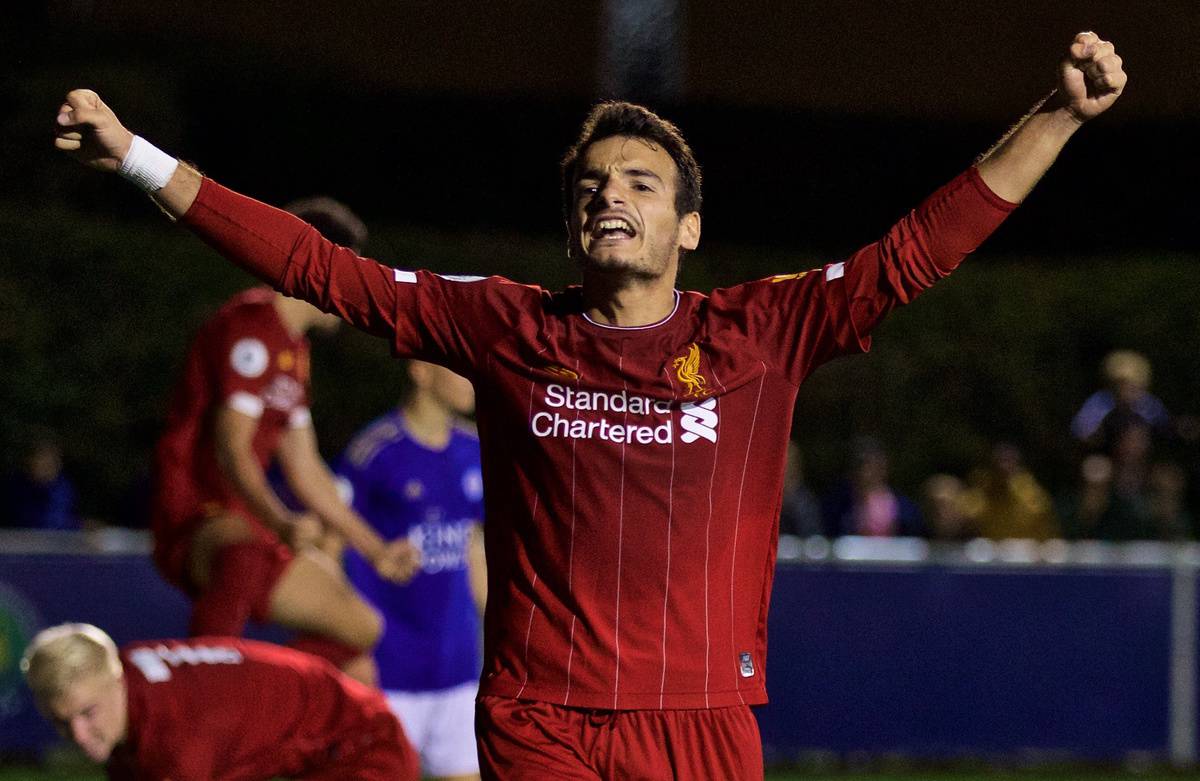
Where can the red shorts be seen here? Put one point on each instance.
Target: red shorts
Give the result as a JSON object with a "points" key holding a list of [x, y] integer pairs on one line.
{"points": [[173, 545], [537, 740], [373, 759]]}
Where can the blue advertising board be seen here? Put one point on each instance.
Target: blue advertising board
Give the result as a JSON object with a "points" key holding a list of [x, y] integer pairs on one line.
{"points": [[928, 659]]}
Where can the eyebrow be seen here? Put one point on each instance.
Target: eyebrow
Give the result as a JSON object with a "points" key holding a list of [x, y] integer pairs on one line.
{"points": [[593, 173], [642, 172]]}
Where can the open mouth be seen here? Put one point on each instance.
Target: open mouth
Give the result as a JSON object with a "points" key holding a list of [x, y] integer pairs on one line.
{"points": [[616, 228]]}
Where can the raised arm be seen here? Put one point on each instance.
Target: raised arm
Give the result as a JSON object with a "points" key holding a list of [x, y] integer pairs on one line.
{"points": [[275, 246], [1090, 79], [90, 132]]}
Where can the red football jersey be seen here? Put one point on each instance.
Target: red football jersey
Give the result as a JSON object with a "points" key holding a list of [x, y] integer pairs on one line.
{"points": [[244, 358], [632, 476], [215, 708]]}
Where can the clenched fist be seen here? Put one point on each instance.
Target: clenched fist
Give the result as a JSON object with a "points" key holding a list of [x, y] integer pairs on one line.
{"points": [[304, 531], [90, 132], [398, 562], [1090, 77]]}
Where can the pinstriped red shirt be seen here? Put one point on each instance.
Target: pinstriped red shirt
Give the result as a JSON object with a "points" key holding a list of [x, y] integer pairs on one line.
{"points": [[225, 708], [632, 476]]}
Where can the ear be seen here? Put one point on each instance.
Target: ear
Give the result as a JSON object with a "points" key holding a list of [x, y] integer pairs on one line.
{"points": [[689, 231]]}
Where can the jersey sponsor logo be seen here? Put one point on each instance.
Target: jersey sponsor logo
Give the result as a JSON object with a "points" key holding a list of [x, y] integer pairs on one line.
{"points": [[283, 393], [746, 664], [156, 663], [788, 277], [472, 484], [249, 358], [552, 424], [443, 546], [698, 419], [560, 371], [563, 397], [687, 369]]}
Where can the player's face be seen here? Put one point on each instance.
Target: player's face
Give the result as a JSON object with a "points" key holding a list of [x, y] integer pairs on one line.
{"points": [[92, 714], [455, 391], [451, 391], [624, 219]]}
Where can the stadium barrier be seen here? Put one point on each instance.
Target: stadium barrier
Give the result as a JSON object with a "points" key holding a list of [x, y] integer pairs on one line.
{"points": [[1016, 650]]}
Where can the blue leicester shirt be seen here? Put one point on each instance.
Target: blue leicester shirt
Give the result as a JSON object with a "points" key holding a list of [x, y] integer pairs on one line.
{"points": [[434, 498]]}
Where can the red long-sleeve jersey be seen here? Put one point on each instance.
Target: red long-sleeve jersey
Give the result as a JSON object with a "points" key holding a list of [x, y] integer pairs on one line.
{"points": [[632, 476], [223, 708]]}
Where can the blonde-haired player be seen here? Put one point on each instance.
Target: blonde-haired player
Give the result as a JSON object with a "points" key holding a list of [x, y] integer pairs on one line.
{"points": [[212, 708]]}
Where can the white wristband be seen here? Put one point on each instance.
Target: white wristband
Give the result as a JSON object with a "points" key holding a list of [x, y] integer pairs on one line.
{"points": [[147, 166]]}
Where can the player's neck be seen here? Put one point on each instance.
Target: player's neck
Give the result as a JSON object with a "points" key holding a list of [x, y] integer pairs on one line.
{"points": [[427, 421], [628, 302], [296, 315]]}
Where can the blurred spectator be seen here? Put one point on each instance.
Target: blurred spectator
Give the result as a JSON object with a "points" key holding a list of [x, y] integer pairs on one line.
{"points": [[1096, 510], [1005, 500], [1130, 451], [1126, 400], [40, 495], [800, 513], [945, 515], [1083, 508], [865, 504], [1166, 502]]}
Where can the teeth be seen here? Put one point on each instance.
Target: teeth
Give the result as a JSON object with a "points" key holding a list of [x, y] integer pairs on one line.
{"points": [[614, 224]]}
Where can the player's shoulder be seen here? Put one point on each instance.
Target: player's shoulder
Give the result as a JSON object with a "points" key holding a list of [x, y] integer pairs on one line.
{"points": [[193, 648], [472, 284], [788, 285], [250, 313], [497, 306], [465, 431], [254, 302], [160, 661], [375, 438]]}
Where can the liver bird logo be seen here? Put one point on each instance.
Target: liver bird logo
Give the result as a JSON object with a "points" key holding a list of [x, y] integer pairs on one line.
{"points": [[687, 369]]}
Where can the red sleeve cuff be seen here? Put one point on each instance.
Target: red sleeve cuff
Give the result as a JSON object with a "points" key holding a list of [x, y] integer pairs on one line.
{"points": [[981, 187]]}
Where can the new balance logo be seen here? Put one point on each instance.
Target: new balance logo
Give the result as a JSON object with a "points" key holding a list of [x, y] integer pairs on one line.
{"points": [[560, 371], [698, 419]]}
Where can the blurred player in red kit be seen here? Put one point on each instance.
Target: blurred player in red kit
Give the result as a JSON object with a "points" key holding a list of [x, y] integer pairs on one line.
{"points": [[221, 533], [633, 436], [212, 708]]}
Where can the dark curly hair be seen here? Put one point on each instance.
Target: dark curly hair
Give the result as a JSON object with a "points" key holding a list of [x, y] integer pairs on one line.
{"points": [[333, 219], [618, 118]]}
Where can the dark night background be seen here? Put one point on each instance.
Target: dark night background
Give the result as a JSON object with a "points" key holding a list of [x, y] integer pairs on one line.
{"points": [[442, 122]]}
